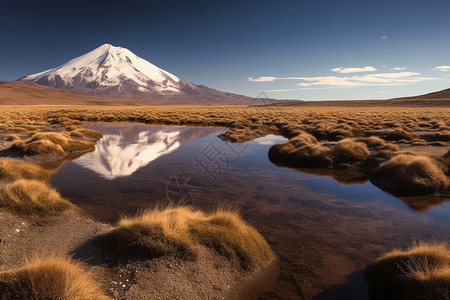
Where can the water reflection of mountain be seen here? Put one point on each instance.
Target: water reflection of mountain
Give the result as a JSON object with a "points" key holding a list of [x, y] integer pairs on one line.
{"points": [[126, 148]]}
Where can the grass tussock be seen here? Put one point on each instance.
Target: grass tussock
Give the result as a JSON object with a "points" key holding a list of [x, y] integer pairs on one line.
{"points": [[12, 137], [69, 145], [408, 175], [84, 132], [51, 278], [39, 147], [420, 272], [28, 197], [177, 231], [305, 151], [302, 151], [349, 150], [12, 169], [52, 143], [372, 141], [400, 134]]}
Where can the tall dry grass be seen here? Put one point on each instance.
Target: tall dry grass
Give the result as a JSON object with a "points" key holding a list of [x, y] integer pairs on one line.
{"points": [[411, 175], [50, 278], [28, 197], [67, 144], [13, 169], [177, 230], [419, 272], [305, 151]]}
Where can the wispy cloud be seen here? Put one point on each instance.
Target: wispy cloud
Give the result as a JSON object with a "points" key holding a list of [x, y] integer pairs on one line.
{"points": [[399, 68], [263, 79], [442, 68], [397, 78], [354, 70], [269, 78], [384, 37]]}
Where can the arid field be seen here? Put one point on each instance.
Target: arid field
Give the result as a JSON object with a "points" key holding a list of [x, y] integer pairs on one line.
{"points": [[403, 149]]}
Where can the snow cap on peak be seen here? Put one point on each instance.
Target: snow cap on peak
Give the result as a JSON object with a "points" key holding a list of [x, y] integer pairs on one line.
{"points": [[109, 66]]}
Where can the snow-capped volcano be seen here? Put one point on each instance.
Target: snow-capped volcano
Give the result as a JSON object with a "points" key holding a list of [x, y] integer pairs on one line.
{"points": [[113, 71]]}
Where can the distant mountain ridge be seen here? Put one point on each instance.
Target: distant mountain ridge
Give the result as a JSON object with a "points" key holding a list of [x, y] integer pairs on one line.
{"points": [[439, 95], [27, 93], [116, 72]]}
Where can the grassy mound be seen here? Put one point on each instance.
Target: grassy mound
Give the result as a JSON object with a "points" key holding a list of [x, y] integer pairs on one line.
{"points": [[349, 150], [26, 197], [400, 134], [12, 137], [11, 169], [50, 278], [69, 145], [39, 147], [420, 272], [177, 230], [84, 132], [408, 175], [302, 151], [52, 143], [305, 151], [373, 142]]}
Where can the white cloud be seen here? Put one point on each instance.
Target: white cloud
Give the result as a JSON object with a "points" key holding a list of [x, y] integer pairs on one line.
{"points": [[399, 68], [354, 70], [397, 78], [442, 68], [262, 79], [370, 79], [384, 37]]}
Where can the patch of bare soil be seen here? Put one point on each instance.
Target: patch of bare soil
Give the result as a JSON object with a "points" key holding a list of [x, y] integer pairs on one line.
{"points": [[428, 150]]}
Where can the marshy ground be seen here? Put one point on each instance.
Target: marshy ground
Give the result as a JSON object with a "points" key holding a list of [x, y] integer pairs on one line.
{"points": [[374, 142]]}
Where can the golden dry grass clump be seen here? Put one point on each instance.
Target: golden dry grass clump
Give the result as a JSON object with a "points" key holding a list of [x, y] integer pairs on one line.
{"points": [[84, 132], [177, 230], [420, 272], [28, 197], [69, 145], [349, 150], [400, 134], [407, 175], [12, 137], [305, 151], [51, 278], [302, 151], [53, 143], [12, 169], [39, 147], [372, 141]]}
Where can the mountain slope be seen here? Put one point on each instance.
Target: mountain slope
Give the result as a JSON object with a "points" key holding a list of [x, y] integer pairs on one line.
{"points": [[23, 93], [26, 93], [117, 72], [439, 95]]}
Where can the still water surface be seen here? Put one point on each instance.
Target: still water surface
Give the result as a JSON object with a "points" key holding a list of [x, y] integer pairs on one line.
{"points": [[324, 231]]}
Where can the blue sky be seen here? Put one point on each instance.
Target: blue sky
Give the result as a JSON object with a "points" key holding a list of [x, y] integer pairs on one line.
{"points": [[311, 50]]}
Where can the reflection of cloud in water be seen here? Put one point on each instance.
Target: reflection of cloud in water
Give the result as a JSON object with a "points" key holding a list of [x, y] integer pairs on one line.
{"points": [[114, 157], [271, 139]]}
